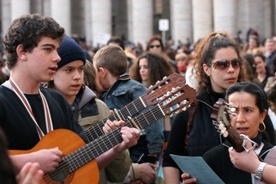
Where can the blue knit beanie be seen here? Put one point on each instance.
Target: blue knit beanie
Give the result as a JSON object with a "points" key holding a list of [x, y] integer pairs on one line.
{"points": [[70, 50]]}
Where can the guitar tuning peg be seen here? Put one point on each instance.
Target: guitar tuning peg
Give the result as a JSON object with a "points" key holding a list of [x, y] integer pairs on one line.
{"points": [[165, 102], [164, 77], [221, 126], [225, 134], [183, 102], [223, 130], [233, 109]]}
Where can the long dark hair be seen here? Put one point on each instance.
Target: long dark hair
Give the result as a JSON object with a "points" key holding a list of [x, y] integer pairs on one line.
{"points": [[205, 52]]}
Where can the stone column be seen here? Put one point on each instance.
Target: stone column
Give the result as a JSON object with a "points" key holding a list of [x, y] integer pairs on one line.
{"points": [[129, 20], [36, 6], [225, 16], [19, 8], [47, 7], [78, 17], [251, 16], [88, 23], [202, 18], [101, 21], [120, 12], [61, 12], [181, 20], [268, 20], [6, 16], [273, 14], [142, 20]]}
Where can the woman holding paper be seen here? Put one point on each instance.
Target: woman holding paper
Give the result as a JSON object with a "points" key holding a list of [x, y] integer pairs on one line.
{"points": [[248, 105]]}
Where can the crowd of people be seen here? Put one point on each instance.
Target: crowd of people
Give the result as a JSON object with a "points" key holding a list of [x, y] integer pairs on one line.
{"points": [[51, 81]]}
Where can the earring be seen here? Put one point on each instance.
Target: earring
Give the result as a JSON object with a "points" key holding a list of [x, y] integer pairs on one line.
{"points": [[262, 129]]}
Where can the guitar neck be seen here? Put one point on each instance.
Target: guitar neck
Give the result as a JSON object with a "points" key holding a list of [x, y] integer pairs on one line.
{"points": [[131, 109], [235, 139], [105, 142]]}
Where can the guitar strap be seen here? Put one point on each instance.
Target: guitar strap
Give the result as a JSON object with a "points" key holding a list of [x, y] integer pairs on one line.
{"points": [[270, 159], [48, 120]]}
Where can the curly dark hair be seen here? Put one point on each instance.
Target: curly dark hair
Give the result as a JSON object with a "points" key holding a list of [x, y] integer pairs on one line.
{"points": [[28, 30], [205, 52], [158, 67]]}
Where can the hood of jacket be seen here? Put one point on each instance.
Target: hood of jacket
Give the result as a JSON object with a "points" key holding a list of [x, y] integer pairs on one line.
{"points": [[87, 95]]}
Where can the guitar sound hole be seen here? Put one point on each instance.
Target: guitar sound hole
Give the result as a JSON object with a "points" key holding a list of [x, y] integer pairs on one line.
{"points": [[61, 172]]}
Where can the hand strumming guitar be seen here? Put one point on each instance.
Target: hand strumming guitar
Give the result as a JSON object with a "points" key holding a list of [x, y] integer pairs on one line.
{"points": [[48, 159]]}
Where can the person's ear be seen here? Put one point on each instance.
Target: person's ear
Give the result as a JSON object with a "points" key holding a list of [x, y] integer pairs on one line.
{"points": [[102, 72], [207, 70], [21, 53], [263, 115]]}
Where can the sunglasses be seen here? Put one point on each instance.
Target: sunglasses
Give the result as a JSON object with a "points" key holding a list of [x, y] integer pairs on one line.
{"points": [[225, 64], [157, 46]]}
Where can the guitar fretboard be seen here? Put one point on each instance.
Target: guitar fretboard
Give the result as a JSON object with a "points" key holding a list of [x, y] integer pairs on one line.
{"points": [[131, 109]]}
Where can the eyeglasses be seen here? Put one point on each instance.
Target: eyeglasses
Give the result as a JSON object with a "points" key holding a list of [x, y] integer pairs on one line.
{"points": [[157, 46], [224, 64]]}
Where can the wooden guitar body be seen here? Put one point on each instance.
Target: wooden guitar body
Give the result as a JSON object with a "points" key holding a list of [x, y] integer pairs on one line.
{"points": [[67, 141]]}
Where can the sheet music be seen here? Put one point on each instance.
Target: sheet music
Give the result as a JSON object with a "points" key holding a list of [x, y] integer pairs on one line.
{"points": [[197, 168]]}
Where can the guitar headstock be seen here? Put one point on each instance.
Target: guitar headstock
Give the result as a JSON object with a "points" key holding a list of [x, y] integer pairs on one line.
{"points": [[221, 119], [178, 99], [155, 92]]}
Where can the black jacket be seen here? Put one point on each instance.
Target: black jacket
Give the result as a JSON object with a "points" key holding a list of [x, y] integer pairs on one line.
{"points": [[203, 135]]}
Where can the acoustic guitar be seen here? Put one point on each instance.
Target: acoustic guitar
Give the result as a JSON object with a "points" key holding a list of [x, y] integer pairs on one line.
{"points": [[78, 166], [149, 98]]}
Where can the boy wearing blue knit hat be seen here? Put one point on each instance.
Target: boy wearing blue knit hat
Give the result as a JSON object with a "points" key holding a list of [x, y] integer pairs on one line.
{"points": [[88, 110]]}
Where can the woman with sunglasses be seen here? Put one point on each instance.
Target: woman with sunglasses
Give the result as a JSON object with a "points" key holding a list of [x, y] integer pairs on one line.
{"points": [[155, 45], [218, 64]]}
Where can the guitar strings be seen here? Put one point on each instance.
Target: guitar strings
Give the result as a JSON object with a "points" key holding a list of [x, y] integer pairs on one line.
{"points": [[136, 105], [229, 106]]}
